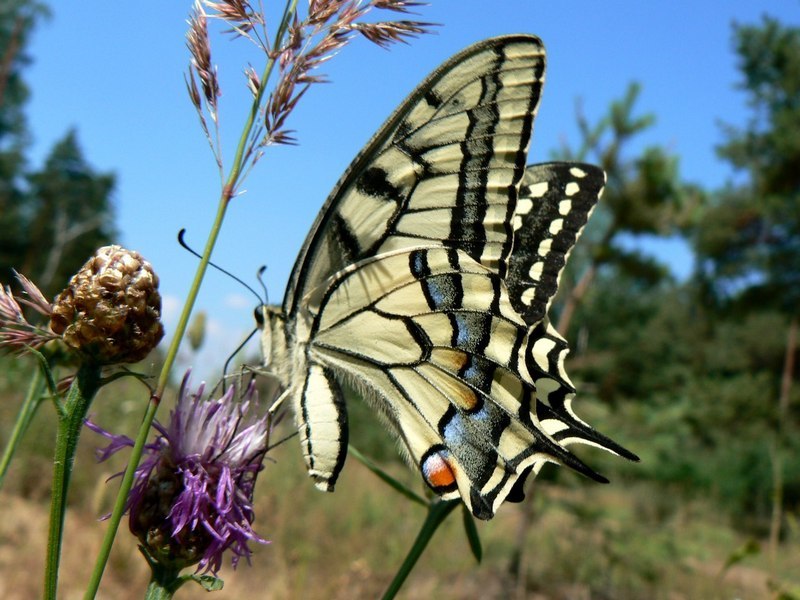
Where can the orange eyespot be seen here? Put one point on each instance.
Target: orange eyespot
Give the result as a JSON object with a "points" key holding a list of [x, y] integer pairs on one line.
{"points": [[438, 473]]}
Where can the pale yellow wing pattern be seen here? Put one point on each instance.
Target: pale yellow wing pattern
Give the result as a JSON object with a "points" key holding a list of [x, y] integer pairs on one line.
{"points": [[425, 281]]}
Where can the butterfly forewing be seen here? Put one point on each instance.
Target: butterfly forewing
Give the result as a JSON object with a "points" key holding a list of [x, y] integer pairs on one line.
{"points": [[443, 169]]}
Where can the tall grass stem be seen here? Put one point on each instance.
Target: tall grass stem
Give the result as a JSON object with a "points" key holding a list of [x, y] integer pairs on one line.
{"points": [[227, 193]]}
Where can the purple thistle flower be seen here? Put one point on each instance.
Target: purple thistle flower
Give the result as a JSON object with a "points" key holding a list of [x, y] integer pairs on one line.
{"points": [[193, 491]]}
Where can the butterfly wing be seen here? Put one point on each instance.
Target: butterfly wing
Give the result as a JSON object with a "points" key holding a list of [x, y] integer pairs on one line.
{"points": [[420, 285], [430, 336], [555, 202], [444, 168]]}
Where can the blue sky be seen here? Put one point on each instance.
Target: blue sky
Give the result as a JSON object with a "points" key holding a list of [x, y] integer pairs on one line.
{"points": [[114, 72]]}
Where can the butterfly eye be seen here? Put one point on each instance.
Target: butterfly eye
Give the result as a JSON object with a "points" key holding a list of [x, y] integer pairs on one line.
{"points": [[258, 314]]}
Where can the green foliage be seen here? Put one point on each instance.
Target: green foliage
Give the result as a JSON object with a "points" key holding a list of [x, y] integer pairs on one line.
{"points": [[768, 148], [749, 241], [644, 195], [17, 22], [52, 218], [68, 215], [694, 369]]}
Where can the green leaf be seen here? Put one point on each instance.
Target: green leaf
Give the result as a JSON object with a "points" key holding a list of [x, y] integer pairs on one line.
{"points": [[749, 548], [397, 485], [44, 366], [472, 533], [208, 582], [30, 405]]}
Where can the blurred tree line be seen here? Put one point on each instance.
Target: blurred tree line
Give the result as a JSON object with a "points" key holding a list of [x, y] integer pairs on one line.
{"points": [[54, 216], [700, 372]]}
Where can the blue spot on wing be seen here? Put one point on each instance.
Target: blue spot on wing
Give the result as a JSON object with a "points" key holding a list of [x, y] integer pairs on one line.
{"points": [[435, 294], [470, 331]]}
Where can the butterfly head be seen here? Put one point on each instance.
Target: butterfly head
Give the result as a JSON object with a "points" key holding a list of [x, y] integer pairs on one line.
{"points": [[271, 321]]}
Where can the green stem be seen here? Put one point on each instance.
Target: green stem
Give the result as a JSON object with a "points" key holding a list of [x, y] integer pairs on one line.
{"points": [[437, 513], [152, 407], [32, 401], [180, 329], [242, 151], [120, 503], [163, 583], [76, 405]]}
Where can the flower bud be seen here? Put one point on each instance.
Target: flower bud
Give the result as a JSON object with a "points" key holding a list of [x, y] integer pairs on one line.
{"points": [[110, 312], [151, 522]]}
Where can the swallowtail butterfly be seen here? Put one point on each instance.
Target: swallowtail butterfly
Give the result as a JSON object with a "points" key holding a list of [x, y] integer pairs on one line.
{"points": [[424, 285]]}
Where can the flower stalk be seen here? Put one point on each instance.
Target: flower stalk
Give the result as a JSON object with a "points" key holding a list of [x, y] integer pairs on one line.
{"points": [[155, 398], [438, 510], [164, 582], [70, 423]]}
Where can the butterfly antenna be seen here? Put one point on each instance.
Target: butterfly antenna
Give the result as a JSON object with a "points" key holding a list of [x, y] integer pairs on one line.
{"points": [[260, 278], [191, 250], [235, 352]]}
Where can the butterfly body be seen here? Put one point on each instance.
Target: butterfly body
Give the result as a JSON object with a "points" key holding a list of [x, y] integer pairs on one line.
{"points": [[424, 285]]}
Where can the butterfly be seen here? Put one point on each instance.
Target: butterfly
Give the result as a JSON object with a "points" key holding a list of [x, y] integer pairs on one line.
{"points": [[424, 285]]}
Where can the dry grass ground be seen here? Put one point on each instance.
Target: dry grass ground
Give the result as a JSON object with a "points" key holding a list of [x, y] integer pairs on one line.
{"points": [[587, 541], [347, 545]]}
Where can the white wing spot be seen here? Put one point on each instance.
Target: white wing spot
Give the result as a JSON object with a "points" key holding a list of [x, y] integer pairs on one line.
{"points": [[517, 222], [564, 207], [544, 387], [553, 426], [536, 270], [527, 296], [524, 206], [544, 247], [577, 172], [572, 188], [540, 351], [538, 189], [556, 226]]}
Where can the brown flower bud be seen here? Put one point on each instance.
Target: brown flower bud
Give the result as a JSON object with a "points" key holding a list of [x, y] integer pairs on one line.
{"points": [[155, 529], [110, 312]]}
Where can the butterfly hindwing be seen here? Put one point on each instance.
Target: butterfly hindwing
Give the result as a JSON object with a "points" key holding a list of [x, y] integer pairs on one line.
{"points": [[443, 352]]}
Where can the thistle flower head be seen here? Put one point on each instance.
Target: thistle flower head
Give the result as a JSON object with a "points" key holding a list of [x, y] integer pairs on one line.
{"points": [[110, 311], [193, 491]]}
